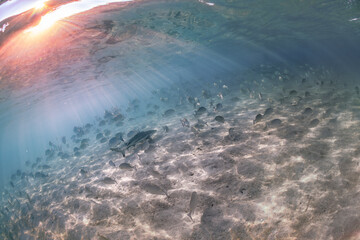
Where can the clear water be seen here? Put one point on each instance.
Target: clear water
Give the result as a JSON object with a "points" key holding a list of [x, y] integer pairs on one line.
{"points": [[128, 67]]}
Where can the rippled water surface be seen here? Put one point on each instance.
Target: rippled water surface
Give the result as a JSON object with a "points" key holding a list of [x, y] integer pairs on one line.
{"points": [[180, 120]]}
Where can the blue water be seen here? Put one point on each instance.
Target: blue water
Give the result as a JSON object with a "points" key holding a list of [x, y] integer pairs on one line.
{"points": [[254, 180]]}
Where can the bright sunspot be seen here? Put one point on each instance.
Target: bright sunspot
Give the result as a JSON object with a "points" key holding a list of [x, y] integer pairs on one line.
{"points": [[40, 4]]}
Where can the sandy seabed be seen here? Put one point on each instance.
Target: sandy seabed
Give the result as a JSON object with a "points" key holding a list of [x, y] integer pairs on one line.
{"points": [[292, 173]]}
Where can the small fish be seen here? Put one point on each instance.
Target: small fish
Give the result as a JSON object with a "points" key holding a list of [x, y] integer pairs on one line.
{"points": [[83, 172], [107, 132], [218, 107], [307, 111], [28, 198], [119, 135], [357, 90], [45, 166], [257, 118], [185, 122], [63, 139], [155, 173], [220, 96], [111, 163], [126, 166], [12, 184], [99, 136], [166, 128], [202, 122], [268, 111], [193, 203], [292, 92], [154, 189], [225, 87], [200, 111], [275, 123], [168, 113], [195, 131], [260, 96], [314, 123], [114, 141], [220, 119], [108, 180]]}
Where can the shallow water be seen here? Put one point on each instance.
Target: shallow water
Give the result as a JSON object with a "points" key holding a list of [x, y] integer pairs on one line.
{"points": [[274, 154]]}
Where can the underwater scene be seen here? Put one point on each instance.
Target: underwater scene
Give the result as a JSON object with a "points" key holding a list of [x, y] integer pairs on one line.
{"points": [[180, 119]]}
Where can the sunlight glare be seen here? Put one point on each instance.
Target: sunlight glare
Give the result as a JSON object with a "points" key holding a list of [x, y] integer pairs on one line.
{"points": [[40, 4]]}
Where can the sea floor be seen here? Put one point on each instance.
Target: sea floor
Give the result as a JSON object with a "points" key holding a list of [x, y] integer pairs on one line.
{"points": [[290, 173]]}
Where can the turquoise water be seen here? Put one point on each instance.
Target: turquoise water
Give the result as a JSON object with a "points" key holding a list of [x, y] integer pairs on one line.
{"points": [[255, 106]]}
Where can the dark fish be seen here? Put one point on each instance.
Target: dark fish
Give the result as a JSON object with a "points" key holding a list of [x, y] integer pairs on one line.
{"points": [[307, 94], [126, 166], [154, 189], [79, 131], [108, 180], [140, 137], [102, 123], [307, 111], [268, 111], [119, 135], [274, 123], [99, 136], [83, 171], [220, 119], [12, 184], [169, 112], [28, 198], [45, 166], [132, 133], [107, 114], [200, 111], [193, 203], [257, 118], [166, 128], [185, 122], [218, 107], [88, 126], [314, 123], [114, 141], [63, 139], [107, 132], [357, 90], [206, 94], [40, 175], [292, 92], [111, 163], [118, 117], [103, 140]]}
